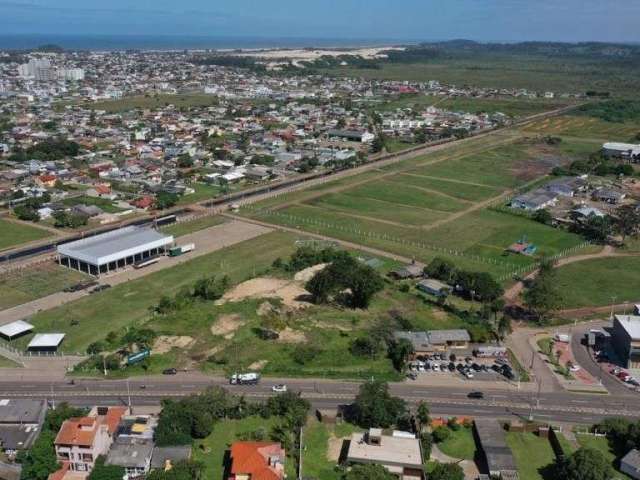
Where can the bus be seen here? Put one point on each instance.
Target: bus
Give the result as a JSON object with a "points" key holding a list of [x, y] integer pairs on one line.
{"points": [[145, 263]]}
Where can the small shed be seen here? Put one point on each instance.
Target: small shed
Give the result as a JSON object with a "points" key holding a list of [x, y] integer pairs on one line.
{"points": [[46, 342], [15, 329]]}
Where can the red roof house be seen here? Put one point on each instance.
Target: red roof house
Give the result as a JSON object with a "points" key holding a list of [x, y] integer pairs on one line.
{"points": [[257, 461]]}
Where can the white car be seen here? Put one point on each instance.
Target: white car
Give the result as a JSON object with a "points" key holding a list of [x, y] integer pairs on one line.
{"points": [[468, 375], [279, 388], [574, 368], [435, 367]]}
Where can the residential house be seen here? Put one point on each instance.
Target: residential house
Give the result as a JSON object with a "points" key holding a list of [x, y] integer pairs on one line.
{"points": [[630, 151], [46, 180], [400, 453], [535, 200], [434, 287], [612, 197], [81, 440], [20, 422], [413, 270], [256, 461], [431, 341]]}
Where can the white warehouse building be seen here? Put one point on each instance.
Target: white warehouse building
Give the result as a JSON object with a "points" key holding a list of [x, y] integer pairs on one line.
{"points": [[113, 250]]}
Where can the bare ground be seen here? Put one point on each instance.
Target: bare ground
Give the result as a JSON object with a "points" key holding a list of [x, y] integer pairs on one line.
{"points": [[226, 325], [164, 343]]}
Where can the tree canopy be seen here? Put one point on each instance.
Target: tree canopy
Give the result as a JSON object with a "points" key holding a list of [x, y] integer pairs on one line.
{"points": [[369, 472], [585, 464], [446, 471], [374, 406], [106, 472]]}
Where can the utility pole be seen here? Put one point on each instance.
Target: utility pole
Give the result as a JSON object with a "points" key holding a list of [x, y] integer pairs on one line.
{"points": [[53, 398], [129, 397], [613, 301], [300, 456]]}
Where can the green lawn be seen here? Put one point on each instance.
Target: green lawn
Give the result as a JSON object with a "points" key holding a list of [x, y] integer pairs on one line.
{"points": [[35, 282], [211, 450], [460, 444], [6, 363], [585, 127], [13, 234], [104, 204], [204, 191], [183, 228], [315, 449], [463, 191], [595, 282], [601, 444], [531, 453]]}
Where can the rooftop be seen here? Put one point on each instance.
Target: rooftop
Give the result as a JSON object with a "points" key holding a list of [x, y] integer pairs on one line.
{"points": [[115, 245], [131, 453], [392, 451], [16, 328], [46, 340], [631, 324], [20, 410]]}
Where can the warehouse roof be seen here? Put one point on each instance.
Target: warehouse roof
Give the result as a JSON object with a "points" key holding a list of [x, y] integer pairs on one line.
{"points": [[115, 245], [16, 328], [46, 340]]}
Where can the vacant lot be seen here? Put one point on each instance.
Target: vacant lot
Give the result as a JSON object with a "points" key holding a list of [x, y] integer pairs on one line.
{"points": [[596, 282], [13, 234], [585, 127], [321, 444], [183, 228], [129, 303], [35, 282], [460, 444], [532, 454], [154, 102], [104, 204], [437, 204], [515, 107]]}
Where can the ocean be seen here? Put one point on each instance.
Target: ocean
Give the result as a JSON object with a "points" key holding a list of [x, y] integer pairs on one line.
{"points": [[157, 42]]}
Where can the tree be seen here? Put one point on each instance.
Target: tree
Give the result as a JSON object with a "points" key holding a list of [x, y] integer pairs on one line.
{"points": [[370, 471], [63, 411], [543, 296], [447, 471], [422, 413], [441, 269], [26, 213], [166, 200], [584, 464], [399, 352], [543, 216], [374, 406], [40, 460], [628, 221], [106, 472], [504, 327], [441, 433], [185, 161], [368, 346], [378, 143]]}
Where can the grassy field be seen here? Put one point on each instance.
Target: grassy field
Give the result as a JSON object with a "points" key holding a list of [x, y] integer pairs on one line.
{"points": [[515, 107], [315, 461], [203, 191], [6, 363], [154, 102], [104, 204], [585, 127], [183, 228], [407, 208], [533, 72], [532, 454], [595, 282], [13, 234], [35, 282], [129, 303], [601, 444], [460, 444], [326, 331], [211, 450]]}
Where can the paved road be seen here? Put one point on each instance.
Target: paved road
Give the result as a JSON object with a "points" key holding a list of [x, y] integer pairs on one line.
{"points": [[560, 406], [207, 241]]}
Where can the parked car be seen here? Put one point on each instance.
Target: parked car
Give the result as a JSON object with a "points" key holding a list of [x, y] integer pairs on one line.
{"points": [[279, 388], [452, 367], [412, 376], [435, 367], [478, 395], [170, 371], [468, 375], [574, 368]]}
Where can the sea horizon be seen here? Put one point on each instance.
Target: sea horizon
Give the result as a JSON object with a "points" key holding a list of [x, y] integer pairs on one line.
{"points": [[182, 42]]}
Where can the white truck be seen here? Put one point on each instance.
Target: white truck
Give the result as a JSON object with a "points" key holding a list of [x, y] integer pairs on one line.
{"points": [[181, 249], [244, 379]]}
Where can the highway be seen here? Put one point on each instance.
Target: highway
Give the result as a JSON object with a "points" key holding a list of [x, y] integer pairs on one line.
{"points": [[551, 406]]}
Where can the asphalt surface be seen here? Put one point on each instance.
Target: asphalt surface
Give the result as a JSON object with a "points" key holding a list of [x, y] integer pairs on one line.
{"points": [[551, 406]]}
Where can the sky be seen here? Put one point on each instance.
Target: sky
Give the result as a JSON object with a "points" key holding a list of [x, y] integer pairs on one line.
{"points": [[411, 20]]}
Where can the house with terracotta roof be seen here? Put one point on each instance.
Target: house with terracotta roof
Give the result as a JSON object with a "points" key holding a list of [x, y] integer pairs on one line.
{"points": [[81, 440], [46, 180], [256, 461]]}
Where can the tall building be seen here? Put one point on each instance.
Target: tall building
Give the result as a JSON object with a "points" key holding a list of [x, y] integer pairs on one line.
{"points": [[38, 68], [71, 74]]}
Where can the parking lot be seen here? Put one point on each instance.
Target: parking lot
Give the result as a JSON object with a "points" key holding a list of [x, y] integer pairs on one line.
{"points": [[462, 366]]}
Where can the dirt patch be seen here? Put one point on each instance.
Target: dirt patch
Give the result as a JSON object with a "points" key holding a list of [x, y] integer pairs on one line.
{"points": [[164, 343], [265, 309], [541, 164], [226, 325], [308, 273], [288, 335], [291, 293], [259, 365], [334, 448]]}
